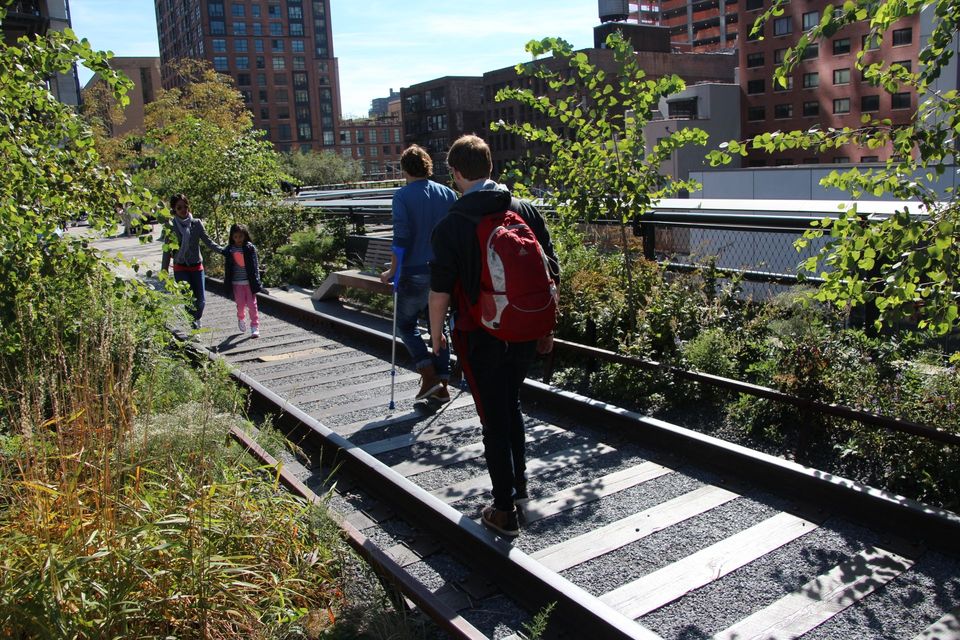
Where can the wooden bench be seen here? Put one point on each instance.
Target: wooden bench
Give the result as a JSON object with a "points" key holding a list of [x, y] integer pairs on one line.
{"points": [[372, 256]]}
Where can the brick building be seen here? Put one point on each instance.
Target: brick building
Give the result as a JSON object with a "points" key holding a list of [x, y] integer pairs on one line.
{"points": [[36, 17], [376, 143], [145, 75], [826, 88], [437, 112], [279, 52]]}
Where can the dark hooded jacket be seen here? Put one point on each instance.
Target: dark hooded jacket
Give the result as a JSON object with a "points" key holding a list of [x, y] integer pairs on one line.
{"points": [[456, 266], [251, 264]]}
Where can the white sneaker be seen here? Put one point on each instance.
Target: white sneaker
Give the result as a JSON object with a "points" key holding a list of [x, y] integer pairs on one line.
{"points": [[254, 332], [242, 326]]}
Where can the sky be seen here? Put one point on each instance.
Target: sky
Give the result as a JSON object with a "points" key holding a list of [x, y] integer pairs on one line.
{"points": [[380, 44]]}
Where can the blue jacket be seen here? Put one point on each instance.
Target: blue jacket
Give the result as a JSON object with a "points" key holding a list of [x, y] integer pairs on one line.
{"points": [[417, 208]]}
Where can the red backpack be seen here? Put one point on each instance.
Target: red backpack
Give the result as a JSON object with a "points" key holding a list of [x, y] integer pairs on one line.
{"points": [[518, 297]]}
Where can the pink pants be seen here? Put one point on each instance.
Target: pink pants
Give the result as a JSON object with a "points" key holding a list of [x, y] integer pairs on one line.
{"points": [[244, 297]]}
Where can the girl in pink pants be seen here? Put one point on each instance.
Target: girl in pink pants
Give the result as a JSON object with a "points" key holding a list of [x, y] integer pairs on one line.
{"points": [[242, 271]]}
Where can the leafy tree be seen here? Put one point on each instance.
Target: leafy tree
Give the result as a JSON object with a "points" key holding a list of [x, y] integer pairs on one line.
{"points": [[324, 167], [104, 114], [200, 93], [599, 163], [908, 266], [52, 175]]}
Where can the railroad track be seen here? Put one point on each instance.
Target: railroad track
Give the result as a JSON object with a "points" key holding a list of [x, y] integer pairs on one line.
{"points": [[636, 528]]}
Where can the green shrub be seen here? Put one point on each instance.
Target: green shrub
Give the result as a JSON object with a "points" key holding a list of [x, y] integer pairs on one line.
{"points": [[306, 260]]}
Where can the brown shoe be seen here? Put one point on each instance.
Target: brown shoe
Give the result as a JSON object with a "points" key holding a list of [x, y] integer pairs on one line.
{"points": [[503, 522], [441, 395], [429, 382]]}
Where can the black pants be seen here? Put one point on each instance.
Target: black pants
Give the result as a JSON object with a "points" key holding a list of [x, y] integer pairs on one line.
{"points": [[495, 370]]}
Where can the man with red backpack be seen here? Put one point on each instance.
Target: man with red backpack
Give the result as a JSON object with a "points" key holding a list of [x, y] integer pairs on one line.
{"points": [[495, 265]]}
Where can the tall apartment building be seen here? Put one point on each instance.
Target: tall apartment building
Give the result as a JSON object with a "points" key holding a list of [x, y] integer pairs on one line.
{"points": [[279, 52], [826, 89]]}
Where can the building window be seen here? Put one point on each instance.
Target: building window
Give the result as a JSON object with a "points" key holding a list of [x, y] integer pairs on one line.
{"points": [[753, 5], [247, 96], [281, 95], [300, 80], [257, 29], [754, 60], [344, 137], [902, 37], [215, 9], [870, 159], [239, 28], [841, 46], [236, 10], [219, 45], [262, 80], [283, 112], [240, 46], [295, 13], [811, 19], [778, 87], [276, 45], [264, 113], [276, 28], [296, 46], [906, 64], [756, 86], [301, 96], [374, 152], [779, 55], [841, 160], [811, 51], [218, 28], [243, 62], [900, 100], [258, 45], [279, 63], [841, 105], [303, 113], [273, 10], [869, 103], [782, 111], [755, 114], [296, 28], [255, 11], [261, 62], [328, 138], [868, 43], [841, 76], [283, 132], [304, 131], [243, 79], [783, 26], [299, 63], [751, 36], [811, 108], [262, 94]]}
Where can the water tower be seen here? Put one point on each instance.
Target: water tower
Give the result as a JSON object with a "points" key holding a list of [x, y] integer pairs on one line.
{"points": [[614, 10]]}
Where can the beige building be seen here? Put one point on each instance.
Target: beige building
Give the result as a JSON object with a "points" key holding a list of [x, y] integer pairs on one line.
{"points": [[145, 74]]}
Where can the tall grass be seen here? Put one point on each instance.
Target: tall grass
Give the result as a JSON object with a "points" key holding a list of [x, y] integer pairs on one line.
{"points": [[125, 513]]}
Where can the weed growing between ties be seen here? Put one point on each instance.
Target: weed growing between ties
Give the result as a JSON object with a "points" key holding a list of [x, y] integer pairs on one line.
{"points": [[126, 512]]}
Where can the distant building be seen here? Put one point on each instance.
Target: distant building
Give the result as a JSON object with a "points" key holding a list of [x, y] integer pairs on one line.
{"points": [[437, 112], [280, 55], [145, 74], [381, 106], [376, 143], [36, 17], [694, 68]]}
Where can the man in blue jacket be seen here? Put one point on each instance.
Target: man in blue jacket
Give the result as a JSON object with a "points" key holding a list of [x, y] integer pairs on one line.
{"points": [[417, 207]]}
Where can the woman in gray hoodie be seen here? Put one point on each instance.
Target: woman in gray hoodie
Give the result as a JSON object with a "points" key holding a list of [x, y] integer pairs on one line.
{"points": [[181, 244]]}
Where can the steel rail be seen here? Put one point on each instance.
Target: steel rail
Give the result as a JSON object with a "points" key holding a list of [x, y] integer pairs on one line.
{"points": [[840, 411]]}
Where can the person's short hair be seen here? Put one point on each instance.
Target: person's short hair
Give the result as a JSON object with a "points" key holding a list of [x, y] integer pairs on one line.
{"points": [[470, 155], [416, 162], [178, 197]]}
